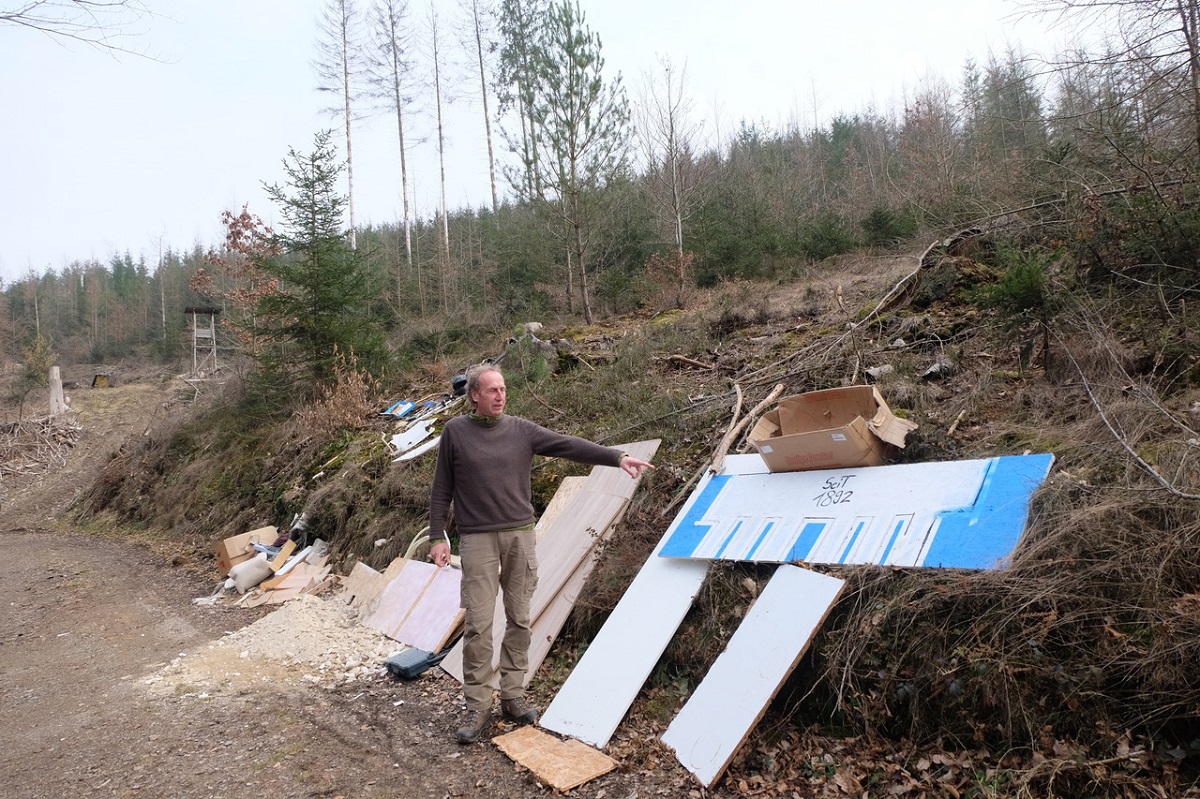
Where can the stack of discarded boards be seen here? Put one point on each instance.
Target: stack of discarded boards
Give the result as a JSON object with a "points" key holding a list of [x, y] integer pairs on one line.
{"points": [[417, 425], [267, 575], [411, 601], [960, 515]]}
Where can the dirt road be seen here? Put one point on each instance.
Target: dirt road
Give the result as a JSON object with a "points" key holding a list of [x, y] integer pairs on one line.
{"points": [[88, 625]]}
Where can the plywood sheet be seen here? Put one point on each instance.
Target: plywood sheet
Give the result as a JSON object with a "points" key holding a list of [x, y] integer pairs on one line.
{"points": [[603, 684], [435, 614], [953, 514], [764, 649], [591, 512], [563, 765]]}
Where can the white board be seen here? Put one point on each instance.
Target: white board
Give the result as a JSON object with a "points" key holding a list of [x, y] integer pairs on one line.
{"points": [[762, 652], [602, 686], [415, 434], [421, 450], [951, 514]]}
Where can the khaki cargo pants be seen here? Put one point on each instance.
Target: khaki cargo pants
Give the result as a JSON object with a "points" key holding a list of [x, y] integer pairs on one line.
{"points": [[490, 561]]}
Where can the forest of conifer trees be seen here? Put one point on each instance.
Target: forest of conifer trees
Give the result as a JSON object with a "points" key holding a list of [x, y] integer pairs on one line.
{"points": [[1093, 154]]}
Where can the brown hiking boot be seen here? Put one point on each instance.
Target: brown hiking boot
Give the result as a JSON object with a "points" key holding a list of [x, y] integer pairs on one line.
{"points": [[477, 722], [518, 710]]}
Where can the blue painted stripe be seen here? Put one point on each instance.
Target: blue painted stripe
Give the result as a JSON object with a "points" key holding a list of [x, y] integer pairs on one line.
{"points": [[725, 544], [900, 525], [807, 538], [758, 542], [690, 532], [984, 535], [858, 528]]}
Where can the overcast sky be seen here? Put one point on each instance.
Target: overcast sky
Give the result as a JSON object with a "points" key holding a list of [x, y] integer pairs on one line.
{"points": [[103, 154]]}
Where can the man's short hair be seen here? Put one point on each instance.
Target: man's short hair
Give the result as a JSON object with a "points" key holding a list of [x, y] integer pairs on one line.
{"points": [[475, 372]]}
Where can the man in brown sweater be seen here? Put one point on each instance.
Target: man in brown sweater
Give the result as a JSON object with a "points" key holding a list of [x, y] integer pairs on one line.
{"points": [[483, 468]]}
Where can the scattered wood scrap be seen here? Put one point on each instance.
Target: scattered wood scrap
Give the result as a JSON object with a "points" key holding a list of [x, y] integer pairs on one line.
{"points": [[562, 765], [36, 446]]}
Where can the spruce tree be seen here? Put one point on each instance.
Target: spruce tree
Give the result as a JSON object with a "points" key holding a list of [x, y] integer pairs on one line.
{"points": [[322, 307]]}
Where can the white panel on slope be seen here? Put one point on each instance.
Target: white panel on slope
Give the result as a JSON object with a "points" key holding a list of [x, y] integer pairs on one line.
{"points": [[764, 649], [607, 678]]}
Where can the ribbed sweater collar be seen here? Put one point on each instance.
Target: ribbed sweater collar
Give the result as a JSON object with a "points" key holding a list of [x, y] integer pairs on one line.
{"points": [[486, 421]]}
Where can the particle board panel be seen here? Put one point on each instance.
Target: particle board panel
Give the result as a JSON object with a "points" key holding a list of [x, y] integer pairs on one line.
{"points": [[436, 613], [547, 625], [595, 508], [763, 651], [560, 551], [563, 765], [951, 514], [602, 686]]}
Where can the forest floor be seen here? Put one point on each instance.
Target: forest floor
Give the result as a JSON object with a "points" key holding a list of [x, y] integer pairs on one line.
{"points": [[95, 625]]}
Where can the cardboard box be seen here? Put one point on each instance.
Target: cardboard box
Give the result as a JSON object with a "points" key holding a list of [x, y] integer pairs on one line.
{"points": [[831, 429], [238, 548]]}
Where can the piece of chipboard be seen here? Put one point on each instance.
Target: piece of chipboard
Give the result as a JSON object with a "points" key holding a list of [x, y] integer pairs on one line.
{"points": [[602, 686], [949, 514], [562, 765], [420, 606], [763, 651], [592, 511]]}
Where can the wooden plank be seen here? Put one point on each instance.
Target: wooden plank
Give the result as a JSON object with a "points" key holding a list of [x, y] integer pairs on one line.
{"points": [[399, 597], [362, 586], [549, 623], [952, 514], [567, 490], [285, 552], [560, 550], [762, 652], [435, 614], [603, 684], [562, 765]]}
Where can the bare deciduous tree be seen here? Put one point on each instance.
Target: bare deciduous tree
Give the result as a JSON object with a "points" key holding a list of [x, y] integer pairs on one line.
{"points": [[391, 75], [338, 64], [1163, 35], [435, 54], [99, 23], [669, 136], [479, 21]]}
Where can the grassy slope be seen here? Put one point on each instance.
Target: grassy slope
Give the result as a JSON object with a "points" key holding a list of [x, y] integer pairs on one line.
{"points": [[1082, 655]]}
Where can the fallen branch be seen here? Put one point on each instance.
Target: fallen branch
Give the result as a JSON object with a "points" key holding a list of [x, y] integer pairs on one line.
{"points": [[742, 425], [689, 362]]}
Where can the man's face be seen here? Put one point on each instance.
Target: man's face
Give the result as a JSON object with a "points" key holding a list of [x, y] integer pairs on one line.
{"points": [[491, 395]]}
